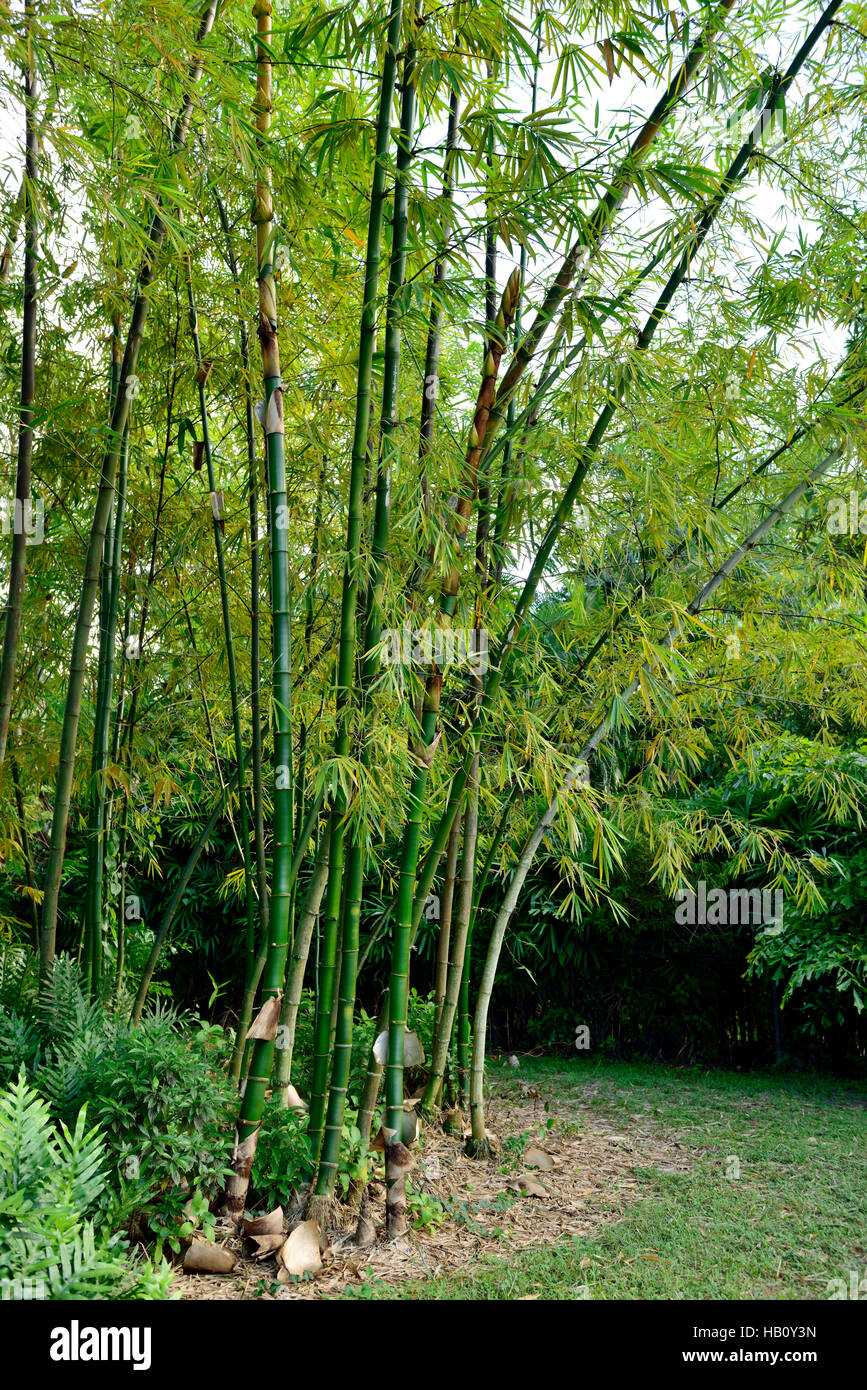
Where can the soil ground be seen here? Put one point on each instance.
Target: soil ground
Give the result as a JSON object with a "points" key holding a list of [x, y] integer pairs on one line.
{"points": [[613, 1180]]}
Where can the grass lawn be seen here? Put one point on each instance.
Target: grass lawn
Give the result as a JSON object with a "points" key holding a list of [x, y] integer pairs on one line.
{"points": [[774, 1205]]}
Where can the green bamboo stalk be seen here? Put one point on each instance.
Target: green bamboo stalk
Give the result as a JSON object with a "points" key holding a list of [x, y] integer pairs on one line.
{"points": [[12, 625], [29, 876], [388, 450], [253, 969], [262, 1054], [434, 336], [433, 348], [346, 656], [309, 611], [125, 728], [96, 543], [398, 989], [300, 944], [108, 610], [240, 769], [483, 486], [500, 515], [126, 722], [445, 1025], [444, 934], [295, 976], [464, 1036]]}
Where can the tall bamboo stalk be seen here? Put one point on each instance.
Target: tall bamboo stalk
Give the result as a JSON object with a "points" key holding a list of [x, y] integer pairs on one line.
{"points": [[446, 1021], [388, 450], [96, 542], [431, 383], [434, 335], [262, 1055], [310, 913], [444, 934], [234, 697], [251, 977], [501, 511], [108, 611], [12, 626], [398, 986], [295, 975], [346, 655]]}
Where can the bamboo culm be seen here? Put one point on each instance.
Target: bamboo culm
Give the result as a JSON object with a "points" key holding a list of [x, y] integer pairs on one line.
{"points": [[96, 542], [14, 601], [354, 880], [346, 655], [262, 1053]]}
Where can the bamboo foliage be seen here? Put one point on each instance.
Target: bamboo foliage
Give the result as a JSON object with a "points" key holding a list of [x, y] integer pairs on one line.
{"points": [[99, 525], [532, 369], [479, 1144]]}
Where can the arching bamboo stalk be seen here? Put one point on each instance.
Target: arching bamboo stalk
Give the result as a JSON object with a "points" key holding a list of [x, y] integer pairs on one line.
{"points": [[478, 1146]]}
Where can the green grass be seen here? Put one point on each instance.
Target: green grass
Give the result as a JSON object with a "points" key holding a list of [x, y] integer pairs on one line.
{"points": [[794, 1219]]}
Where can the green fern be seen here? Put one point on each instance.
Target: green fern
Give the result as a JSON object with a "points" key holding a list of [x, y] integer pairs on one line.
{"points": [[53, 1244]]}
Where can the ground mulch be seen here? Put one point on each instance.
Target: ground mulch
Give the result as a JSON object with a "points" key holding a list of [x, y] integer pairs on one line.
{"points": [[581, 1173]]}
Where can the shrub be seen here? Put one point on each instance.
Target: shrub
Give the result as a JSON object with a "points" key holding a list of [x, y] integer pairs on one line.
{"points": [[158, 1092], [57, 1241]]}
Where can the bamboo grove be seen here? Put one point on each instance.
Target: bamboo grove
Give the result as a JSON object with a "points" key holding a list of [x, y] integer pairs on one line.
{"points": [[422, 423]]}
